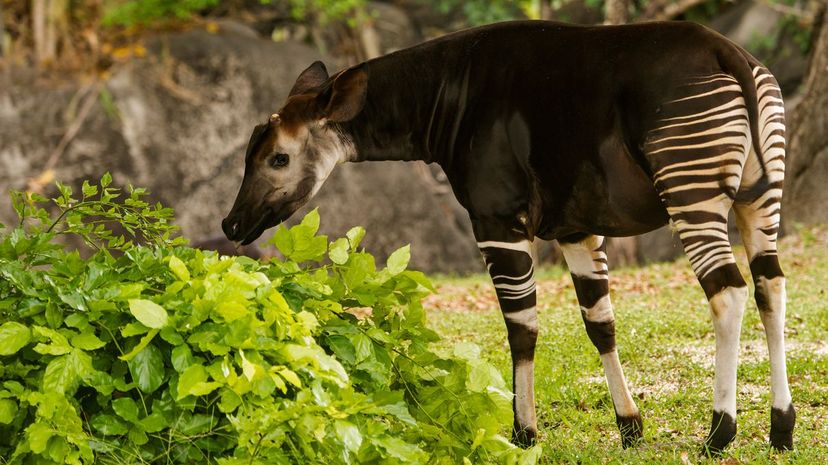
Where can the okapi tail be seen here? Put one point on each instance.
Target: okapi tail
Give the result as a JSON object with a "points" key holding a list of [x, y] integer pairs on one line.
{"points": [[736, 61]]}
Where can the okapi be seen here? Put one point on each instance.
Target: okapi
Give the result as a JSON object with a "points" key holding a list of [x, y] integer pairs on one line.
{"points": [[571, 133]]}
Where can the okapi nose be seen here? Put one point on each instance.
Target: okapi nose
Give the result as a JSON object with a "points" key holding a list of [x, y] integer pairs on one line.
{"points": [[230, 228]]}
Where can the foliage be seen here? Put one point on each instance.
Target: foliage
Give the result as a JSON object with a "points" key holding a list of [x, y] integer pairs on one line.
{"points": [[145, 12], [164, 353], [325, 11], [479, 12]]}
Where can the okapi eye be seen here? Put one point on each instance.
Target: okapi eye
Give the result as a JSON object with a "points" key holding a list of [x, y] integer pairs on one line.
{"points": [[279, 160]]}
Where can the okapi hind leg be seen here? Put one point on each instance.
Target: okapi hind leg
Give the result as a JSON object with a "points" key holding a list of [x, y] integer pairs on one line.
{"points": [[697, 152], [511, 266], [758, 221], [759, 224], [587, 261]]}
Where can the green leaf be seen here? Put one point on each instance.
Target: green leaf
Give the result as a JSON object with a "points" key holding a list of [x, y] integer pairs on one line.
{"points": [[191, 377], [338, 251], [231, 311], [137, 436], [38, 435], [109, 425], [230, 401], [154, 422], [311, 221], [291, 377], [283, 240], [355, 236], [149, 313], [179, 268], [140, 346], [59, 344], [8, 410], [89, 190], [87, 341], [181, 358], [147, 369], [13, 337], [126, 408], [401, 450], [63, 373], [398, 261], [349, 434]]}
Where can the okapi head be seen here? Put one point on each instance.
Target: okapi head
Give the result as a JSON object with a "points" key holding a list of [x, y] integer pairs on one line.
{"points": [[290, 156]]}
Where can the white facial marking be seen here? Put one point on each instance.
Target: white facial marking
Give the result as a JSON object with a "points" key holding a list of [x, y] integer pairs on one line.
{"points": [[333, 149]]}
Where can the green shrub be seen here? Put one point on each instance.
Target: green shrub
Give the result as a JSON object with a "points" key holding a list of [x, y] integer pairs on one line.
{"points": [[166, 354], [147, 12]]}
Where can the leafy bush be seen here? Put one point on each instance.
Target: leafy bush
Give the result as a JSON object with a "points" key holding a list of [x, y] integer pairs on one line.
{"points": [[145, 12], [168, 354]]}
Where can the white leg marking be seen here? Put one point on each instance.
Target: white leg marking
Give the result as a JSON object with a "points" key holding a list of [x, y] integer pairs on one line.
{"points": [[727, 308], [774, 321], [525, 394], [617, 383], [524, 371]]}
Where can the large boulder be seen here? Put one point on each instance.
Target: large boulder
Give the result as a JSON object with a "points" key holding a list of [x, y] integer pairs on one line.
{"points": [[177, 122]]}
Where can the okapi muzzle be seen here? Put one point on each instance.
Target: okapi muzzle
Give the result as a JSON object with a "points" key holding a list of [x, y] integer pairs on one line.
{"points": [[289, 157]]}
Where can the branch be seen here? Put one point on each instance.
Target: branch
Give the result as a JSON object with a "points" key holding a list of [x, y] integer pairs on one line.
{"points": [[805, 17]]}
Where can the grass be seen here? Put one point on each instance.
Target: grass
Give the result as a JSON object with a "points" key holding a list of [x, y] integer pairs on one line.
{"points": [[666, 344]]}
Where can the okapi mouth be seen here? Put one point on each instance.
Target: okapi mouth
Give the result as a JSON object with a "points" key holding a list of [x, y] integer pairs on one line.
{"points": [[265, 222]]}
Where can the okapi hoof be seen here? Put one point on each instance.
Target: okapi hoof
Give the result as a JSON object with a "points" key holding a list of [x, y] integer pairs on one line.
{"points": [[524, 437], [631, 428], [782, 426], [722, 432]]}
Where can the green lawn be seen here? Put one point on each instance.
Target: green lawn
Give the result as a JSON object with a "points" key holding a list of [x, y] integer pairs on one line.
{"points": [[666, 344]]}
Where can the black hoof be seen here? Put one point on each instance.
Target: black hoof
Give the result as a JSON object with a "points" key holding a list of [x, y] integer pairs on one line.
{"points": [[722, 432], [524, 438], [782, 426], [631, 428]]}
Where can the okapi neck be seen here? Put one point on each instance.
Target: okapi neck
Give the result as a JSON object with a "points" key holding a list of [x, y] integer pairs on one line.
{"points": [[414, 106]]}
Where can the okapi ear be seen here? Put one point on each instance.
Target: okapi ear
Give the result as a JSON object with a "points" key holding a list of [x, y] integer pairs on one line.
{"points": [[346, 97], [315, 75]]}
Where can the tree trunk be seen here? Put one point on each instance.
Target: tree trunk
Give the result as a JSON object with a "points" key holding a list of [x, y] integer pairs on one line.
{"points": [[39, 28], [807, 165], [616, 11], [2, 32]]}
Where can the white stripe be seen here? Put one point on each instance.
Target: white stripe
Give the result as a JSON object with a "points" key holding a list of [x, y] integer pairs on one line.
{"points": [[526, 317], [522, 246], [718, 90], [601, 312], [735, 140], [741, 122]]}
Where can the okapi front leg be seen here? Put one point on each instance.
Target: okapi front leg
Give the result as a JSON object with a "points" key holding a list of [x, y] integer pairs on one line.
{"points": [[587, 261], [511, 267]]}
